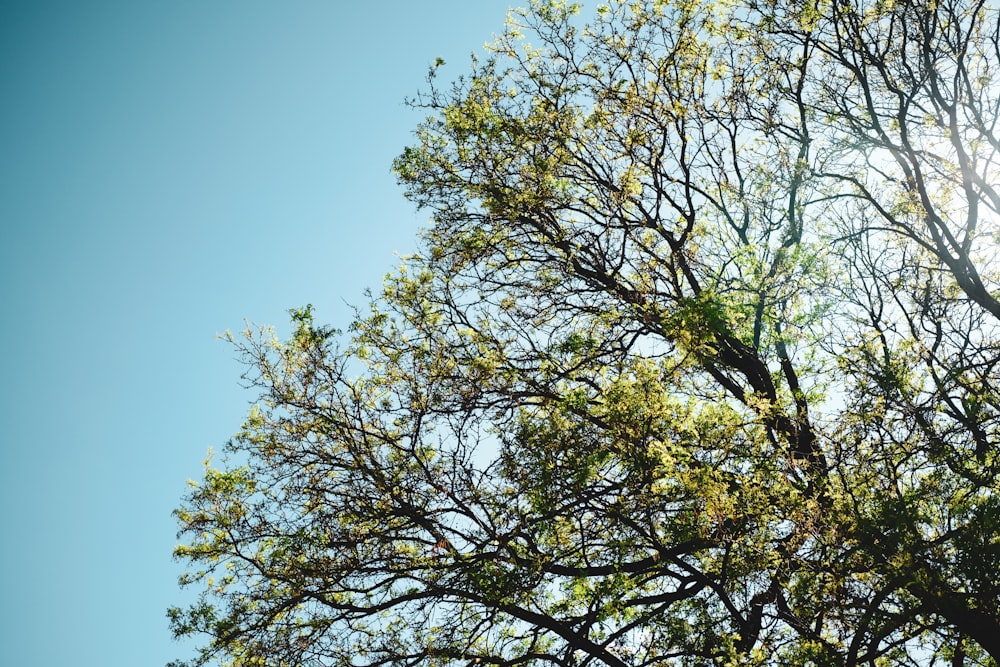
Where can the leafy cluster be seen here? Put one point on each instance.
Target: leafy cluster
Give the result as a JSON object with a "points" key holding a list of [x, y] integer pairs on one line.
{"points": [[697, 364]]}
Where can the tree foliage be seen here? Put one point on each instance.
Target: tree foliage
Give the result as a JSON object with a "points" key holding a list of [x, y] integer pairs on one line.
{"points": [[697, 364]]}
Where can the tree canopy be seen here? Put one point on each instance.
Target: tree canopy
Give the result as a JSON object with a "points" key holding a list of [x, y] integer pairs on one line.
{"points": [[696, 365]]}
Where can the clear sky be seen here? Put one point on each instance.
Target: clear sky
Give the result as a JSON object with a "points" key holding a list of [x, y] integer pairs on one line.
{"points": [[167, 169]]}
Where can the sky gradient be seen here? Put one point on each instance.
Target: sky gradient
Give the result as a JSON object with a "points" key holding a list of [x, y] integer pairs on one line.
{"points": [[168, 169]]}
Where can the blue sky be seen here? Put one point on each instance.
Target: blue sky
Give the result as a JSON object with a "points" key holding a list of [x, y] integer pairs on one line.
{"points": [[167, 169]]}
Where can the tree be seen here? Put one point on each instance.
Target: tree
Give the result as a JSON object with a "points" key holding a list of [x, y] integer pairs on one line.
{"points": [[697, 364]]}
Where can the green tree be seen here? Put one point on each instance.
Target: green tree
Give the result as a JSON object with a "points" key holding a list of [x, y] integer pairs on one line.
{"points": [[697, 364]]}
